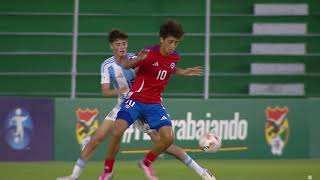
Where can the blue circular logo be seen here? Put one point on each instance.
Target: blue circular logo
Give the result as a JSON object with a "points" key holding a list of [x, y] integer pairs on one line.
{"points": [[18, 128]]}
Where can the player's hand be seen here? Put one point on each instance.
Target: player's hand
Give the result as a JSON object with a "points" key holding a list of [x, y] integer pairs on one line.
{"points": [[123, 58], [142, 54], [194, 71]]}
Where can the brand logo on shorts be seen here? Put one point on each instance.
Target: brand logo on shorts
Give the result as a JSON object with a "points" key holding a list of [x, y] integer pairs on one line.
{"points": [[163, 118], [129, 104], [86, 124]]}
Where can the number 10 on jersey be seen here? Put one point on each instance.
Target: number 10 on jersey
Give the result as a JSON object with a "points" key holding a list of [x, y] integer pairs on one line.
{"points": [[162, 74]]}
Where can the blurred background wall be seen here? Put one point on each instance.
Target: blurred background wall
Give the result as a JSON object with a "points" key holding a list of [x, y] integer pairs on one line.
{"points": [[257, 47]]}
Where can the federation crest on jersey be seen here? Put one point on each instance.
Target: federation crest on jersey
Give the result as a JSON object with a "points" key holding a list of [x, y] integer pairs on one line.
{"points": [[172, 65], [18, 129], [277, 129], [87, 124]]}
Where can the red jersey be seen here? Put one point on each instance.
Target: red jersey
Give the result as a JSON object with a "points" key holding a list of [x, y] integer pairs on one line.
{"points": [[153, 75]]}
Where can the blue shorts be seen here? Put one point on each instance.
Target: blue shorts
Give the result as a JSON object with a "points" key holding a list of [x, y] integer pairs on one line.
{"points": [[154, 114]]}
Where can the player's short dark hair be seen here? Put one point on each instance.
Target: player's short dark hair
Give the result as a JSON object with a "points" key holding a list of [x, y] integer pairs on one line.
{"points": [[171, 28], [115, 34]]}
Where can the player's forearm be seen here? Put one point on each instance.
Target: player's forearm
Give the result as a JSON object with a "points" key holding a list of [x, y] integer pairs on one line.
{"points": [[110, 93], [131, 63], [194, 71], [107, 91], [180, 72], [136, 59]]}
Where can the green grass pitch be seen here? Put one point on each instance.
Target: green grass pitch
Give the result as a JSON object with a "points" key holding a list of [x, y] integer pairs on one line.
{"points": [[170, 170]]}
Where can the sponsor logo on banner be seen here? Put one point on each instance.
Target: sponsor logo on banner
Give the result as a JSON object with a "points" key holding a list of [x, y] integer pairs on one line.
{"points": [[18, 129], [86, 125], [233, 128], [277, 129]]}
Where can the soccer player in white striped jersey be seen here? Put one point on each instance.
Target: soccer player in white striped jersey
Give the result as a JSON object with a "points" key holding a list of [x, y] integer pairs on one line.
{"points": [[112, 72]]}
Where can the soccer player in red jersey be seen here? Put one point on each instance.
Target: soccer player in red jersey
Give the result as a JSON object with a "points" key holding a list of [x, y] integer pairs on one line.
{"points": [[156, 64]]}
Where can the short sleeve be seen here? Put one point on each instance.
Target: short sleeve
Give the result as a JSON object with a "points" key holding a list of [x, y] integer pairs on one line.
{"points": [[105, 76], [176, 59]]}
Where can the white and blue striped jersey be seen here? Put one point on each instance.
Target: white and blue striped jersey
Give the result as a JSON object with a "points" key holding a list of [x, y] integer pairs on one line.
{"points": [[117, 75]]}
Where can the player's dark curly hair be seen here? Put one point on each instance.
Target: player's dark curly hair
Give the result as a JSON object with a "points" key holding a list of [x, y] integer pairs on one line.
{"points": [[115, 34], [171, 28]]}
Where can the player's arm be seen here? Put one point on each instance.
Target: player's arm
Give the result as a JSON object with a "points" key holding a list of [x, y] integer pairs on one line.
{"points": [[194, 71], [107, 91], [134, 61], [105, 84]]}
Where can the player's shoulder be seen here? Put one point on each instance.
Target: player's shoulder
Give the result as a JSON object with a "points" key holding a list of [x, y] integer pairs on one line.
{"points": [[175, 55], [108, 61], [153, 48]]}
